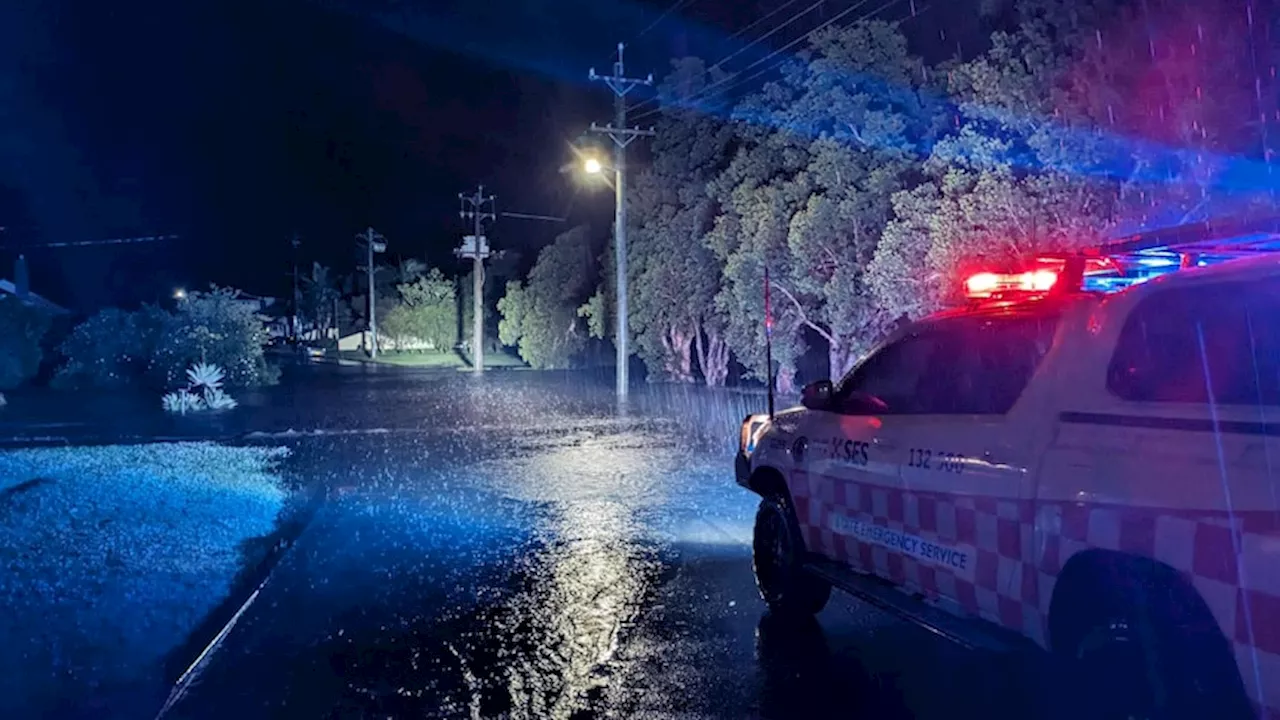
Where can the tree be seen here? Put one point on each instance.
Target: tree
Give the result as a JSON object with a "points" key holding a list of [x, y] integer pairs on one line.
{"points": [[22, 327], [673, 274], [431, 301], [540, 316], [153, 346], [319, 291], [821, 153], [210, 327], [408, 270], [1181, 89], [1085, 121]]}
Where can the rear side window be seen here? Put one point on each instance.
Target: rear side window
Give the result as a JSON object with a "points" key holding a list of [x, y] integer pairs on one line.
{"points": [[967, 366], [1198, 344]]}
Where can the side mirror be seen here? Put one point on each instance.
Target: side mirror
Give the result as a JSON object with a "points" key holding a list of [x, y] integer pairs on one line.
{"points": [[817, 395]]}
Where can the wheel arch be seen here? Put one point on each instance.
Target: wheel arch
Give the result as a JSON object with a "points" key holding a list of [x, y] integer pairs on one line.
{"points": [[768, 482], [1129, 573], [1162, 589]]}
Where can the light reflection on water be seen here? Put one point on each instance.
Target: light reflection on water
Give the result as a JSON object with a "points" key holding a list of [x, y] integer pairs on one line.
{"points": [[590, 578], [492, 548]]}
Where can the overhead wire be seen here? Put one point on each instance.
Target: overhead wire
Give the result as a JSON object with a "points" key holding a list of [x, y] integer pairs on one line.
{"points": [[736, 80], [720, 63], [674, 7], [751, 26], [670, 9]]}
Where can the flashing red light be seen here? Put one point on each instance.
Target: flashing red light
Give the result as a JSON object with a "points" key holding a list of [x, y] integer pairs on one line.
{"points": [[986, 284], [1038, 280]]}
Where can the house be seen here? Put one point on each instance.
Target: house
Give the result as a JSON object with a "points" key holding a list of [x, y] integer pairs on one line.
{"points": [[358, 341], [264, 305], [7, 287]]}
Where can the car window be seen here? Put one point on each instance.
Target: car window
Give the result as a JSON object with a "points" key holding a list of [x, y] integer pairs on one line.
{"points": [[970, 365], [1192, 345], [896, 373]]}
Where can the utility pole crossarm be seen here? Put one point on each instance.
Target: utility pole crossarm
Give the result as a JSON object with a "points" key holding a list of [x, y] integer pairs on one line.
{"points": [[621, 137], [618, 82]]}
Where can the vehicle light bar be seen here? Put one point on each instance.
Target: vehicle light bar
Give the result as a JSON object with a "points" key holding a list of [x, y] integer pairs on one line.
{"points": [[989, 284], [1128, 261]]}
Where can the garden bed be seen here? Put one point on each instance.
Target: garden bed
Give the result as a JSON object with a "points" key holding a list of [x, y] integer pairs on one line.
{"points": [[110, 558]]}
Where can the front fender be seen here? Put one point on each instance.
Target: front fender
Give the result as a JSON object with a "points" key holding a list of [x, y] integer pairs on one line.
{"points": [[772, 449]]}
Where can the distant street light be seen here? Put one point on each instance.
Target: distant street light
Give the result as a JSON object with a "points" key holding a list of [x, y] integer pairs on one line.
{"points": [[592, 166], [179, 294]]}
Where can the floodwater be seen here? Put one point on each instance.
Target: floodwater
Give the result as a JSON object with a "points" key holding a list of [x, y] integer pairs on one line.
{"points": [[523, 545]]}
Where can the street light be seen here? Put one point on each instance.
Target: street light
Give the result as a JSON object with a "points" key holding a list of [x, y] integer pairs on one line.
{"points": [[592, 166], [179, 294]]}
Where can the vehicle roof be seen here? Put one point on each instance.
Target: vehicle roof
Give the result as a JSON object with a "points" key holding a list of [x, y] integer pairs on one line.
{"points": [[1259, 266], [1028, 306], [1245, 268]]}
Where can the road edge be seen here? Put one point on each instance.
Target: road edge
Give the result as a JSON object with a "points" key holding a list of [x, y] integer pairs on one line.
{"points": [[182, 666]]}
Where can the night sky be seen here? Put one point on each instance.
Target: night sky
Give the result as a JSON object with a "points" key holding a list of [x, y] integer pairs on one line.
{"points": [[235, 123]]}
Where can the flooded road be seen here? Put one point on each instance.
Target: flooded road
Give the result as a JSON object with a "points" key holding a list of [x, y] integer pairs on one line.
{"points": [[521, 546]]}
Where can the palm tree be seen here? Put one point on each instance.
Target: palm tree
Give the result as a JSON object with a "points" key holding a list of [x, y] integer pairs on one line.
{"points": [[319, 290], [410, 269]]}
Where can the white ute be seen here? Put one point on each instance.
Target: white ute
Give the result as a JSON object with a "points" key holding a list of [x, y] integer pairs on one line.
{"points": [[1086, 458]]}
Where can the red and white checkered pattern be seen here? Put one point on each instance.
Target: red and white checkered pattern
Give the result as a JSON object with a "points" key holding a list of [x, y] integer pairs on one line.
{"points": [[1014, 570]]}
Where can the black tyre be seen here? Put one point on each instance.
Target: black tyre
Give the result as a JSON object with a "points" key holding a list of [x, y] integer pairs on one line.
{"points": [[1138, 647], [777, 553]]}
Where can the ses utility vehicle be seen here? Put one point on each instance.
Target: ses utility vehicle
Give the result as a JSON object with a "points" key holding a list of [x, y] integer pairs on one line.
{"points": [[1086, 457]]}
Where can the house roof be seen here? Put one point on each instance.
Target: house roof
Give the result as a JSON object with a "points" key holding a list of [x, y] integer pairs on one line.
{"points": [[8, 288]]}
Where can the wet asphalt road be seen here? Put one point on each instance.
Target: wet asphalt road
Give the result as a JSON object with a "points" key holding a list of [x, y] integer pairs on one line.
{"points": [[522, 546]]}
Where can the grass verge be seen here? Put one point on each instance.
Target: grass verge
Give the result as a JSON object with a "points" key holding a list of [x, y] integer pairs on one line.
{"points": [[111, 557]]}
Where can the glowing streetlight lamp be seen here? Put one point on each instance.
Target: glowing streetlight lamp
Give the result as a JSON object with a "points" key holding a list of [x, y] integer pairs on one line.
{"points": [[179, 294], [592, 166]]}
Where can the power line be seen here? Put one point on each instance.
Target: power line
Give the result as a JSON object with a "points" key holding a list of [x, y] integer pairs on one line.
{"points": [[762, 18], [112, 241], [734, 81], [674, 7], [780, 26], [531, 216], [720, 63]]}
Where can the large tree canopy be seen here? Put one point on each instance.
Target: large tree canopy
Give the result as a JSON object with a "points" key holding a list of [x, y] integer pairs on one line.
{"points": [[674, 276], [820, 154], [539, 316], [869, 183]]}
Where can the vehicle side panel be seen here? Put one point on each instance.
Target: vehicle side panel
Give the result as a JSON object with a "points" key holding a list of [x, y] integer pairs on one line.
{"points": [[1190, 486]]}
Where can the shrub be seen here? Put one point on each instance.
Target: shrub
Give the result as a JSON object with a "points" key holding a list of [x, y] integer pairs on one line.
{"points": [[154, 347], [21, 328], [110, 349], [210, 327], [204, 391], [182, 402]]}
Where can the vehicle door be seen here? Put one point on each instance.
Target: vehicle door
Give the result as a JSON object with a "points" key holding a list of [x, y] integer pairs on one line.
{"points": [[846, 477], [957, 526], [1174, 455]]}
